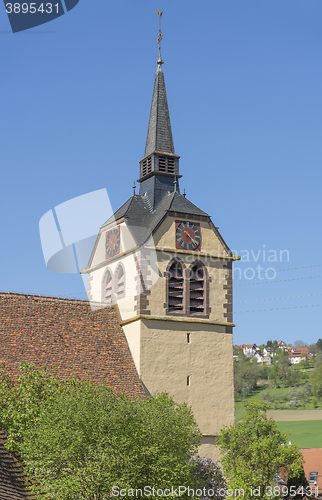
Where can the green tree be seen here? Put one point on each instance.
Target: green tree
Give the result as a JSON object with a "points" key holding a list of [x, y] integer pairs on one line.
{"points": [[245, 376], [275, 375], [316, 382], [274, 346], [297, 481], [78, 440], [283, 367], [319, 344], [264, 372], [254, 450], [21, 402]]}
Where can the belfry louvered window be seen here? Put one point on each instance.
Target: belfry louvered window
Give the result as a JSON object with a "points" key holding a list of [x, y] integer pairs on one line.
{"points": [[171, 165], [146, 166], [175, 287], [120, 282], [197, 281], [108, 286], [162, 164], [149, 164]]}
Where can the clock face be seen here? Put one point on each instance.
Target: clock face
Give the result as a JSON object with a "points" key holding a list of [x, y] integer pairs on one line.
{"points": [[112, 245], [188, 235]]}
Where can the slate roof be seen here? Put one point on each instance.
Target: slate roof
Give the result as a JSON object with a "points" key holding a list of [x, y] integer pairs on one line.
{"points": [[159, 136], [67, 334], [142, 220]]}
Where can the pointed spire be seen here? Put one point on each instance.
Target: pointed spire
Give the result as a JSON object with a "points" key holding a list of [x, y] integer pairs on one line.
{"points": [[159, 132]]}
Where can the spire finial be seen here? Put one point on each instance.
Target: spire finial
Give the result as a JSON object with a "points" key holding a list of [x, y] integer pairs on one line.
{"points": [[184, 193], [134, 186], [159, 61]]}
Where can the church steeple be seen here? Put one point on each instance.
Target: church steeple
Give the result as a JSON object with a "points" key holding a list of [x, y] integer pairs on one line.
{"points": [[159, 132], [159, 169]]}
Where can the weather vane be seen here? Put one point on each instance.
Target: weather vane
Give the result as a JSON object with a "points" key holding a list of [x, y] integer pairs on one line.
{"points": [[160, 36]]}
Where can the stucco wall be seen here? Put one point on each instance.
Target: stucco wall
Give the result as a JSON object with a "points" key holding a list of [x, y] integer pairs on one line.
{"points": [[167, 359]]}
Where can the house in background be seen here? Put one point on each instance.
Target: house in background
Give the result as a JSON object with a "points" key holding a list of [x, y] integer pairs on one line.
{"points": [[295, 357], [313, 468], [249, 349]]}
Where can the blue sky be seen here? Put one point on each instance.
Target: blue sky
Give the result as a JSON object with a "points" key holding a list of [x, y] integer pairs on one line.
{"points": [[244, 82]]}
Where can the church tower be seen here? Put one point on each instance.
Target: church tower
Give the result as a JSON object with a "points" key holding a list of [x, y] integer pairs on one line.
{"points": [[162, 260]]}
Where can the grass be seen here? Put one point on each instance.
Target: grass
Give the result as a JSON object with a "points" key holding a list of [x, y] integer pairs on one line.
{"points": [[255, 395], [305, 433]]}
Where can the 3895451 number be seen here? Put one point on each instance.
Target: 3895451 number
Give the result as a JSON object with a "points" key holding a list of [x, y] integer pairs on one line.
{"points": [[17, 8]]}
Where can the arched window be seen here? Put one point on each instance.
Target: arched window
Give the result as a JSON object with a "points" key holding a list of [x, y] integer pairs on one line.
{"points": [[119, 281], [175, 287], [197, 288], [107, 287]]}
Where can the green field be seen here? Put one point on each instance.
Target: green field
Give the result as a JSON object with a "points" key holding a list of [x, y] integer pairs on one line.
{"points": [[305, 433], [255, 396]]}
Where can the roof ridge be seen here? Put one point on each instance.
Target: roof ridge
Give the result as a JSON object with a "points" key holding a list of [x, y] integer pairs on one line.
{"points": [[131, 201], [33, 295]]}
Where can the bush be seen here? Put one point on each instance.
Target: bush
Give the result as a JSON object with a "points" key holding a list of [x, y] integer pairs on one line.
{"points": [[207, 475]]}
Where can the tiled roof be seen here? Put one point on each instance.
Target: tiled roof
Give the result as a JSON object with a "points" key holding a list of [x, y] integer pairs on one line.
{"points": [[12, 481], [313, 463], [66, 333]]}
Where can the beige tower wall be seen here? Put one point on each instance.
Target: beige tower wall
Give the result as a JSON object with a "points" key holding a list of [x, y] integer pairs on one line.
{"points": [[167, 359]]}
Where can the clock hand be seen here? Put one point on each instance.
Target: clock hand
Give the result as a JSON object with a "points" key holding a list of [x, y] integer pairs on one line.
{"points": [[193, 240]]}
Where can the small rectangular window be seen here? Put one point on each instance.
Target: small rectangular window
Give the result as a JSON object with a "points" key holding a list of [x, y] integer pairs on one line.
{"points": [[313, 477], [188, 380], [188, 338]]}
